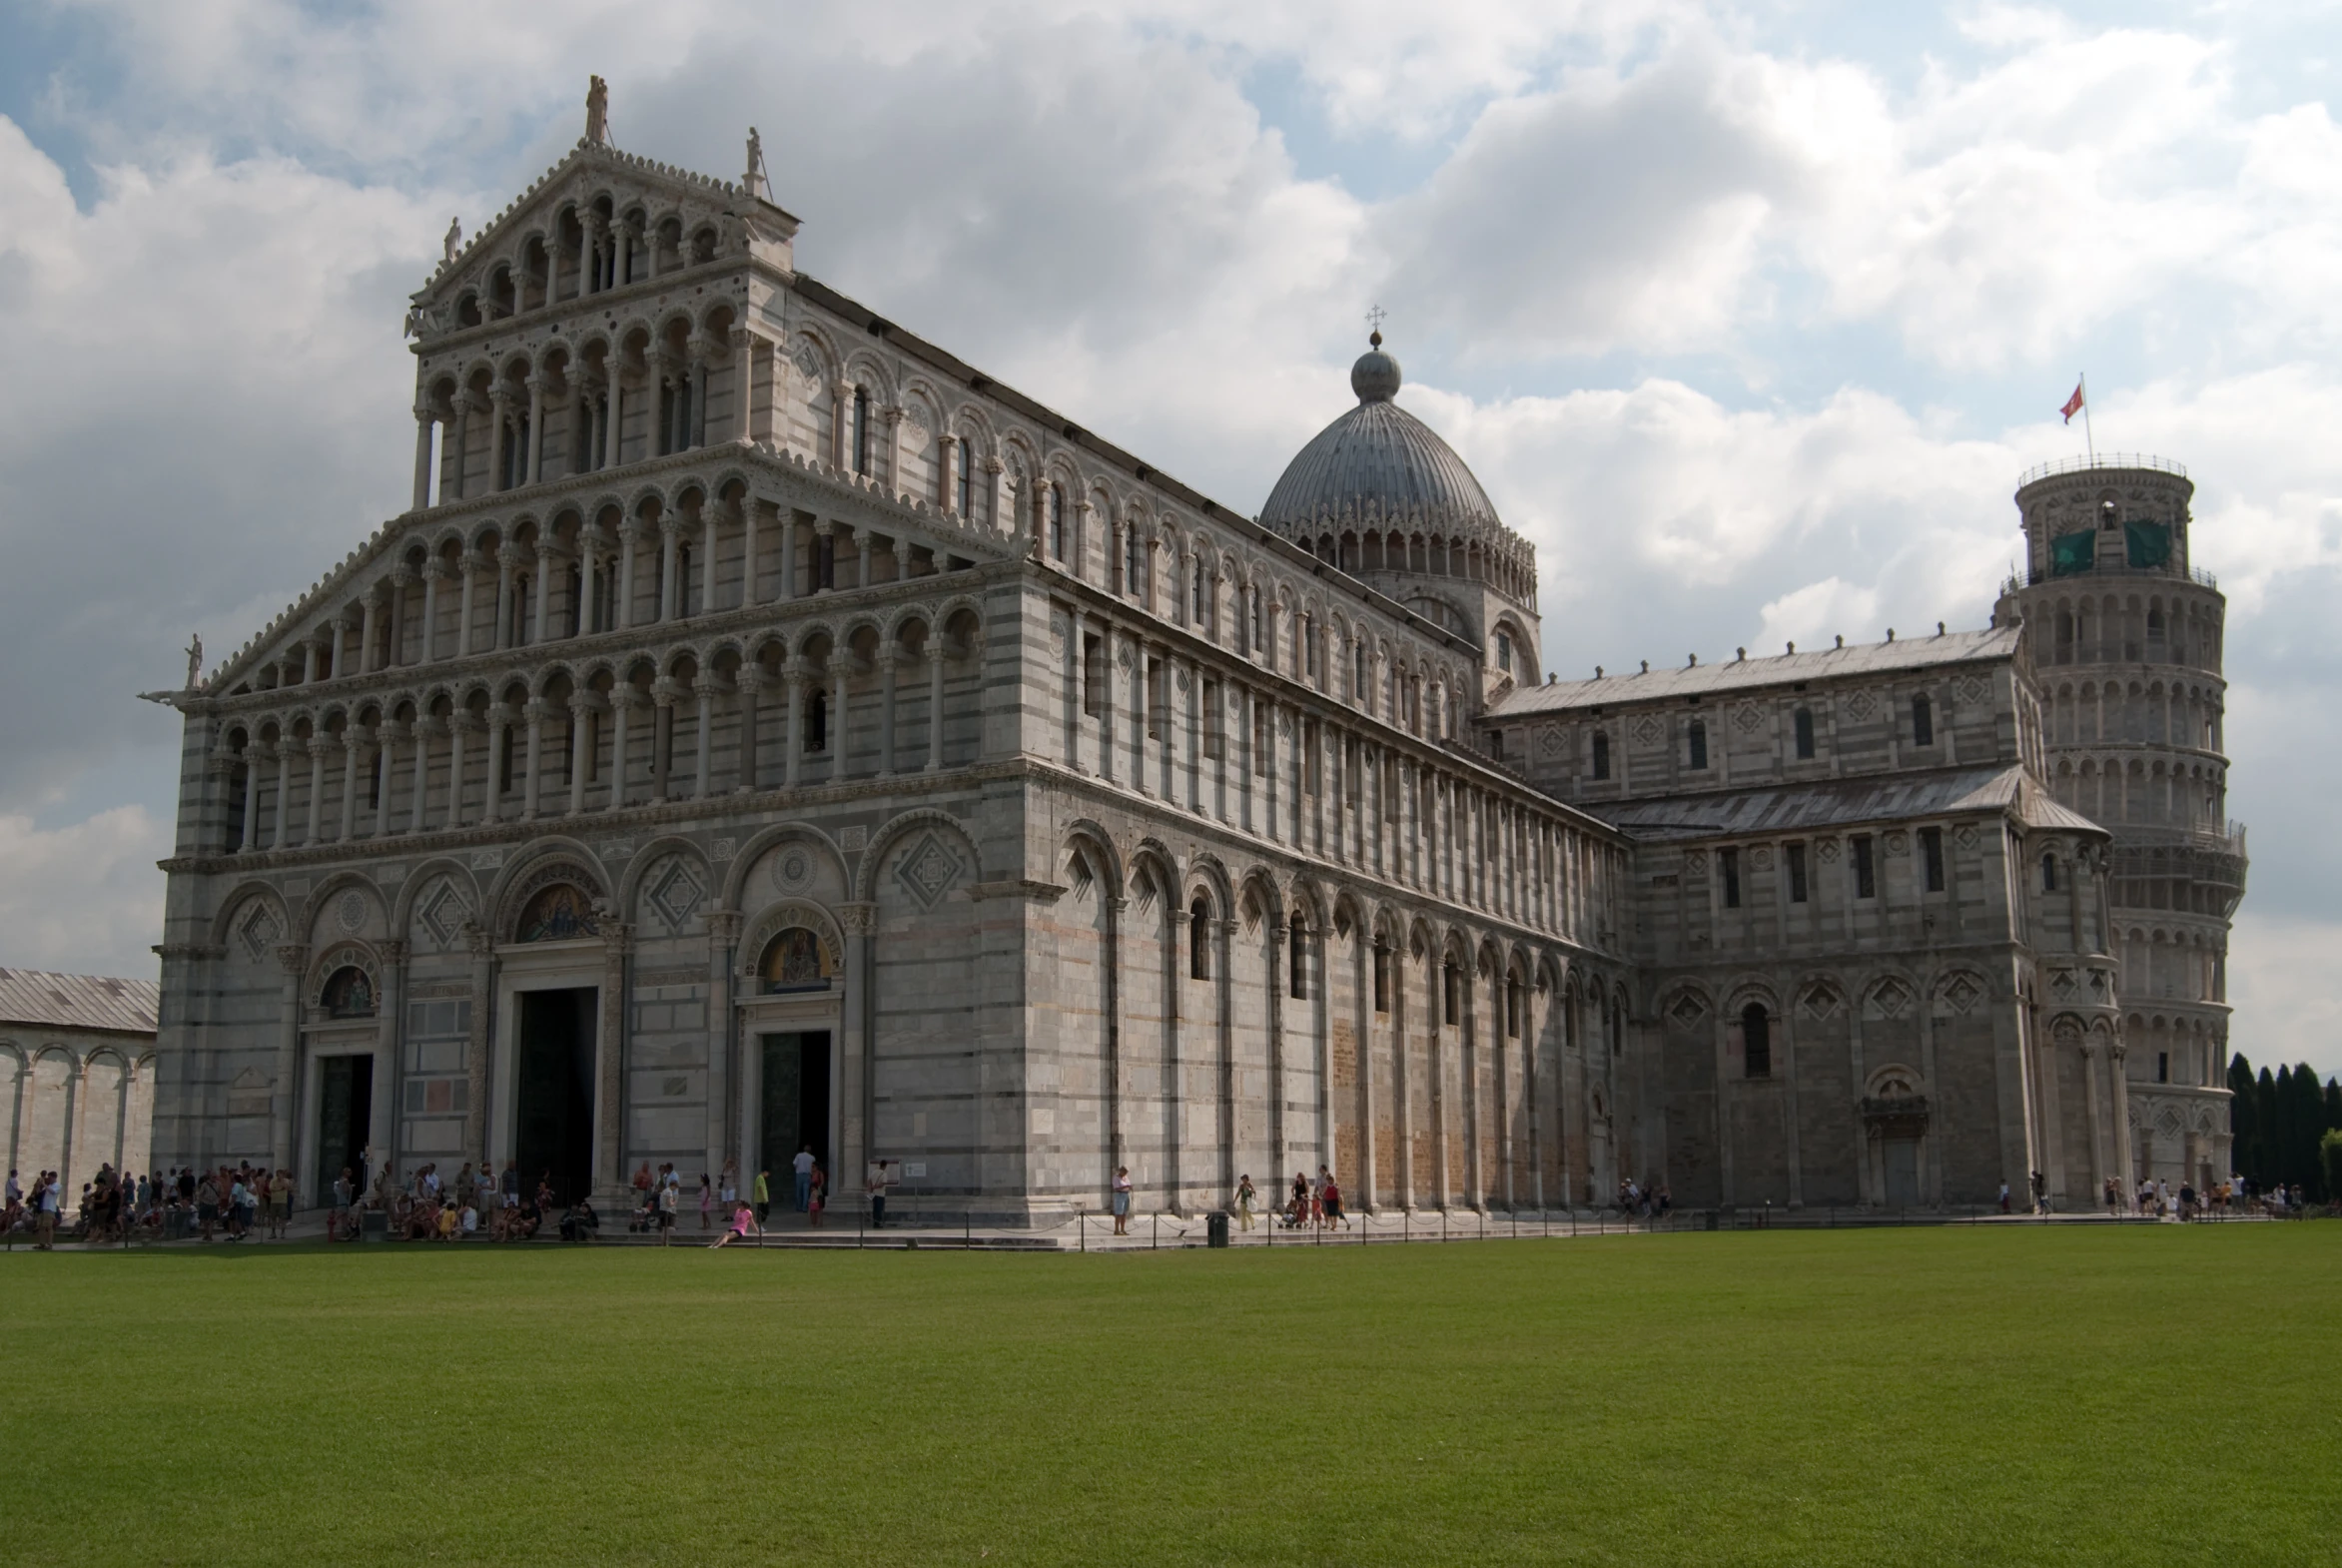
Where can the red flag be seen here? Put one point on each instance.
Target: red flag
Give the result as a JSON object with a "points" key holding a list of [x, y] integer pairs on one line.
{"points": [[2073, 405]]}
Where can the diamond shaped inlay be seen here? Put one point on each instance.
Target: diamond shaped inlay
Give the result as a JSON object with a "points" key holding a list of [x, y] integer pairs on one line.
{"points": [[675, 893]]}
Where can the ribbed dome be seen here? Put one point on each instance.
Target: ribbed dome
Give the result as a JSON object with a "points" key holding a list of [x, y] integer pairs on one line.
{"points": [[1378, 463]]}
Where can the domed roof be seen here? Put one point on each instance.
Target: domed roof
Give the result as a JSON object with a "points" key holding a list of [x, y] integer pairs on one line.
{"points": [[1377, 464]]}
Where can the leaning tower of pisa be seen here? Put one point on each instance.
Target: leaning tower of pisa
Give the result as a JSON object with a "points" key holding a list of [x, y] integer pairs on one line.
{"points": [[2126, 641]]}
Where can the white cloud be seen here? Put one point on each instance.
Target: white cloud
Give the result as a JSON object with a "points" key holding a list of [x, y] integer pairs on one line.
{"points": [[207, 404], [85, 896], [2281, 984]]}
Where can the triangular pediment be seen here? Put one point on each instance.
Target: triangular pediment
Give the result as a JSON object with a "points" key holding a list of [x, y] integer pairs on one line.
{"points": [[493, 266]]}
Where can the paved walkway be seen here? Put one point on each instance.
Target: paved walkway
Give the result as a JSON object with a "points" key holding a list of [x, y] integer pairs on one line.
{"points": [[1094, 1232]]}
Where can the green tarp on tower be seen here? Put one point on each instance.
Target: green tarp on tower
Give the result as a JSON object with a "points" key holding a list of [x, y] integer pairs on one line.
{"points": [[2071, 553], [2149, 543]]}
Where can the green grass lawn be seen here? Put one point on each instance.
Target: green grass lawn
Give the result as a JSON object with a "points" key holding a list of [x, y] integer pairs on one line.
{"points": [[2003, 1394]]}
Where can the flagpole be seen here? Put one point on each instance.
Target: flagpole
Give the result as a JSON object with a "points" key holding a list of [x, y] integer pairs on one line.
{"points": [[2089, 441]]}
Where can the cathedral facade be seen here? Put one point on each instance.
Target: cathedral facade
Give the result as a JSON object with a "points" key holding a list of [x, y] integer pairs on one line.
{"points": [[764, 730]]}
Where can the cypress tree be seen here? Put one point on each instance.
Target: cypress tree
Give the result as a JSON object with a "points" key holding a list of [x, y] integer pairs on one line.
{"points": [[2268, 1146], [2244, 1127], [2306, 1121]]}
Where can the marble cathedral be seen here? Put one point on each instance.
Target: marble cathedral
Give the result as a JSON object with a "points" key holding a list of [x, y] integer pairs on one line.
{"points": [[765, 729]]}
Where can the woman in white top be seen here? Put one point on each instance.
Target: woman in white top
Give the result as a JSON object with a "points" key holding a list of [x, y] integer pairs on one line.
{"points": [[1122, 1200]]}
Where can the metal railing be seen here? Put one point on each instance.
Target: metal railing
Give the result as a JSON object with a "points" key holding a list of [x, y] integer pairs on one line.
{"points": [[2105, 459]]}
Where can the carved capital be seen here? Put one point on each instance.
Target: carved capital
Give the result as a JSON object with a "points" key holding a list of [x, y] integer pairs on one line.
{"points": [[292, 957], [858, 919]]}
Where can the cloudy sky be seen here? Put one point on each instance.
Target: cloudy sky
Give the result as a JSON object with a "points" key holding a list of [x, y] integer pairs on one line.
{"points": [[1749, 316]]}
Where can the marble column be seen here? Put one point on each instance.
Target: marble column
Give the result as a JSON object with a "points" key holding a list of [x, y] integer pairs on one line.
{"points": [[317, 746], [284, 752], [793, 748], [582, 707], [293, 959], [623, 699], [705, 689], [500, 724], [748, 684], [935, 702], [629, 545], [469, 564], [425, 728], [388, 734], [422, 458], [532, 798], [352, 746], [535, 470], [670, 591], [459, 724]]}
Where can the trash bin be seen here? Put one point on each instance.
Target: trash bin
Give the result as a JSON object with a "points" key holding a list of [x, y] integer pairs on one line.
{"points": [[376, 1226], [1216, 1228]]}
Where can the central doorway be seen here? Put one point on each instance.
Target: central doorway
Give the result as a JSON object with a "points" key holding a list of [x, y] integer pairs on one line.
{"points": [[796, 1105], [552, 1133], [345, 1104], [1901, 1157]]}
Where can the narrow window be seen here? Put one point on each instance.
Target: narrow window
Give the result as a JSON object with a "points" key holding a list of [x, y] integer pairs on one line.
{"points": [[1932, 853], [1729, 862], [1093, 675], [1922, 722], [1199, 941], [1866, 884], [1600, 755], [1513, 1008], [2163, 1066], [1805, 734], [1195, 597], [683, 580], [1699, 739], [825, 560], [1796, 854], [1504, 651], [1297, 946], [1381, 977], [861, 431], [1132, 583], [817, 722], [1756, 1031], [504, 774], [2048, 873], [1452, 993], [1214, 744], [1056, 523], [1496, 744], [1254, 645]]}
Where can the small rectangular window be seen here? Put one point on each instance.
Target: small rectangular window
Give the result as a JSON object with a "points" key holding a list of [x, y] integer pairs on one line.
{"points": [[1866, 883], [1213, 743], [1796, 855], [1382, 979], [1698, 737], [1600, 755], [1093, 674], [1922, 722], [1932, 853], [2163, 1066], [1805, 734], [1727, 861]]}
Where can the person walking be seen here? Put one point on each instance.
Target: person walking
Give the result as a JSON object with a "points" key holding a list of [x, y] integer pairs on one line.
{"points": [[820, 1195], [875, 1183], [45, 1217], [708, 1205], [1122, 1199], [2005, 1198], [764, 1196], [803, 1165], [728, 1185], [667, 1198], [1247, 1196]]}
